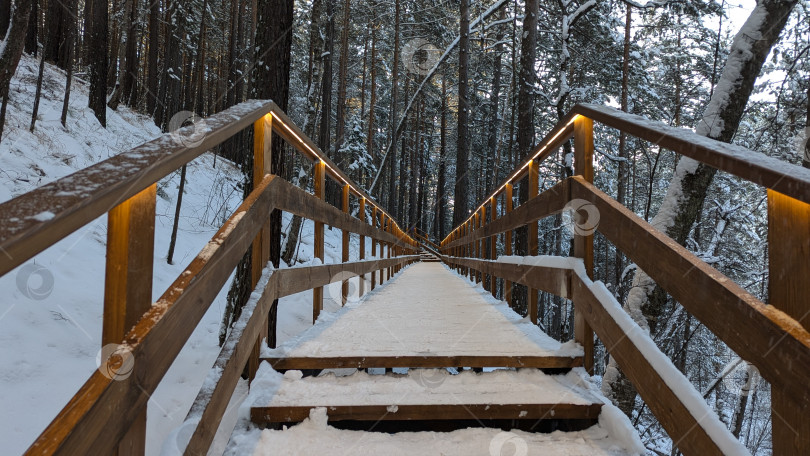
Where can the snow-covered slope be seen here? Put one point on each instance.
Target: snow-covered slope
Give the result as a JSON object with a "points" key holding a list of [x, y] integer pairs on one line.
{"points": [[51, 307]]}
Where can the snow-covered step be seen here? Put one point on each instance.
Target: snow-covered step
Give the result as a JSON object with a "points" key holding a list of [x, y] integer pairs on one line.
{"points": [[429, 394], [427, 317]]}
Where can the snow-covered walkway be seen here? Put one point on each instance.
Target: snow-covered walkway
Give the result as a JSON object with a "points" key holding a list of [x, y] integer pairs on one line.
{"points": [[428, 316], [427, 323]]}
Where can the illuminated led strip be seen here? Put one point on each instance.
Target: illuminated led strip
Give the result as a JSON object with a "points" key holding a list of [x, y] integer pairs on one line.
{"points": [[335, 173], [516, 173]]}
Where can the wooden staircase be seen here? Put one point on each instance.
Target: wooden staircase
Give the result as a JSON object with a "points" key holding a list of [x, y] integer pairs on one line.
{"points": [[437, 390]]}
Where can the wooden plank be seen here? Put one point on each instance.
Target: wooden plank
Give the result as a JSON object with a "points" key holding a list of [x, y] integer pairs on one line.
{"points": [[95, 419], [752, 166], [76, 200], [344, 287], [260, 250], [761, 334], [684, 429], [547, 203], [583, 243], [373, 246], [534, 412], [534, 188], [507, 243], [788, 291], [551, 280], [296, 280], [427, 361], [287, 129], [128, 290], [493, 213], [320, 188], [362, 250]]}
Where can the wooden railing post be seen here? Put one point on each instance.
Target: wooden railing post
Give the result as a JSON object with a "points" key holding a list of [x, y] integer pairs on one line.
{"points": [[470, 249], [788, 290], [482, 247], [362, 213], [260, 249], [344, 287], [534, 190], [320, 187], [373, 246], [493, 249], [583, 245], [507, 244], [128, 290]]}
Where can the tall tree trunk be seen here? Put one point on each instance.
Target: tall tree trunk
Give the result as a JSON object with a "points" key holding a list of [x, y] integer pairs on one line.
{"points": [[525, 130], [494, 120], [54, 33], [31, 33], [687, 189], [11, 52], [441, 195], [70, 42], [623, 155], [392, 170], [130, 70], [5, 16], [372, 106], [98, 61], [343, 63], [38, 93], [461, 191], [152, 58]]}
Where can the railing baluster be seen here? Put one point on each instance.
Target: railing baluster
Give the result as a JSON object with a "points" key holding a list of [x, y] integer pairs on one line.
{"points": [[789, 264], [493, 211], [362, 255], [344, 287], [260, 250], [507, 244], [373, 246], [320, 186], [128, 287], [534, 190], [583, 245]]}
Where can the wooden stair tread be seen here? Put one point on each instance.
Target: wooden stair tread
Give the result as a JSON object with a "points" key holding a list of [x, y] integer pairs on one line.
{"points": [[431, 394], [427, 317], [424, 361]]}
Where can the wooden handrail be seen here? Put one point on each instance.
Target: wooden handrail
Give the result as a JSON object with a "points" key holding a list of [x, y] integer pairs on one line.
{"points": [[771, 337], [101, 413]]}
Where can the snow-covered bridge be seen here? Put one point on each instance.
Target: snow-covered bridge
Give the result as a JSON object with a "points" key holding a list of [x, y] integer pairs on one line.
{"points": [[430, 343]]}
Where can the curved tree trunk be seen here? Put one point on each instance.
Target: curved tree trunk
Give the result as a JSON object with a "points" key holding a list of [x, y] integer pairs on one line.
{"points": [[687, 189], [14, 41]]}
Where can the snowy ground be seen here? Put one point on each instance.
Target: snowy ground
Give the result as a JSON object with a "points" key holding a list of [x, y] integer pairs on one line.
{"points": [[51, 308]]}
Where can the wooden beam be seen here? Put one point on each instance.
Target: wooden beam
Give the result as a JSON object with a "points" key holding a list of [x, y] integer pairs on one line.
{"points": [[320, 188], [96, 418], [507, 244], [534, 412], [752, 166], [789, 291], [534, 187], [260, 250], [374, 246], [761, 334], [547, 203], [684, 428], [583, 231], [362, 253], [344, 287], [128, 292], [426, 361], [493, 213]]}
